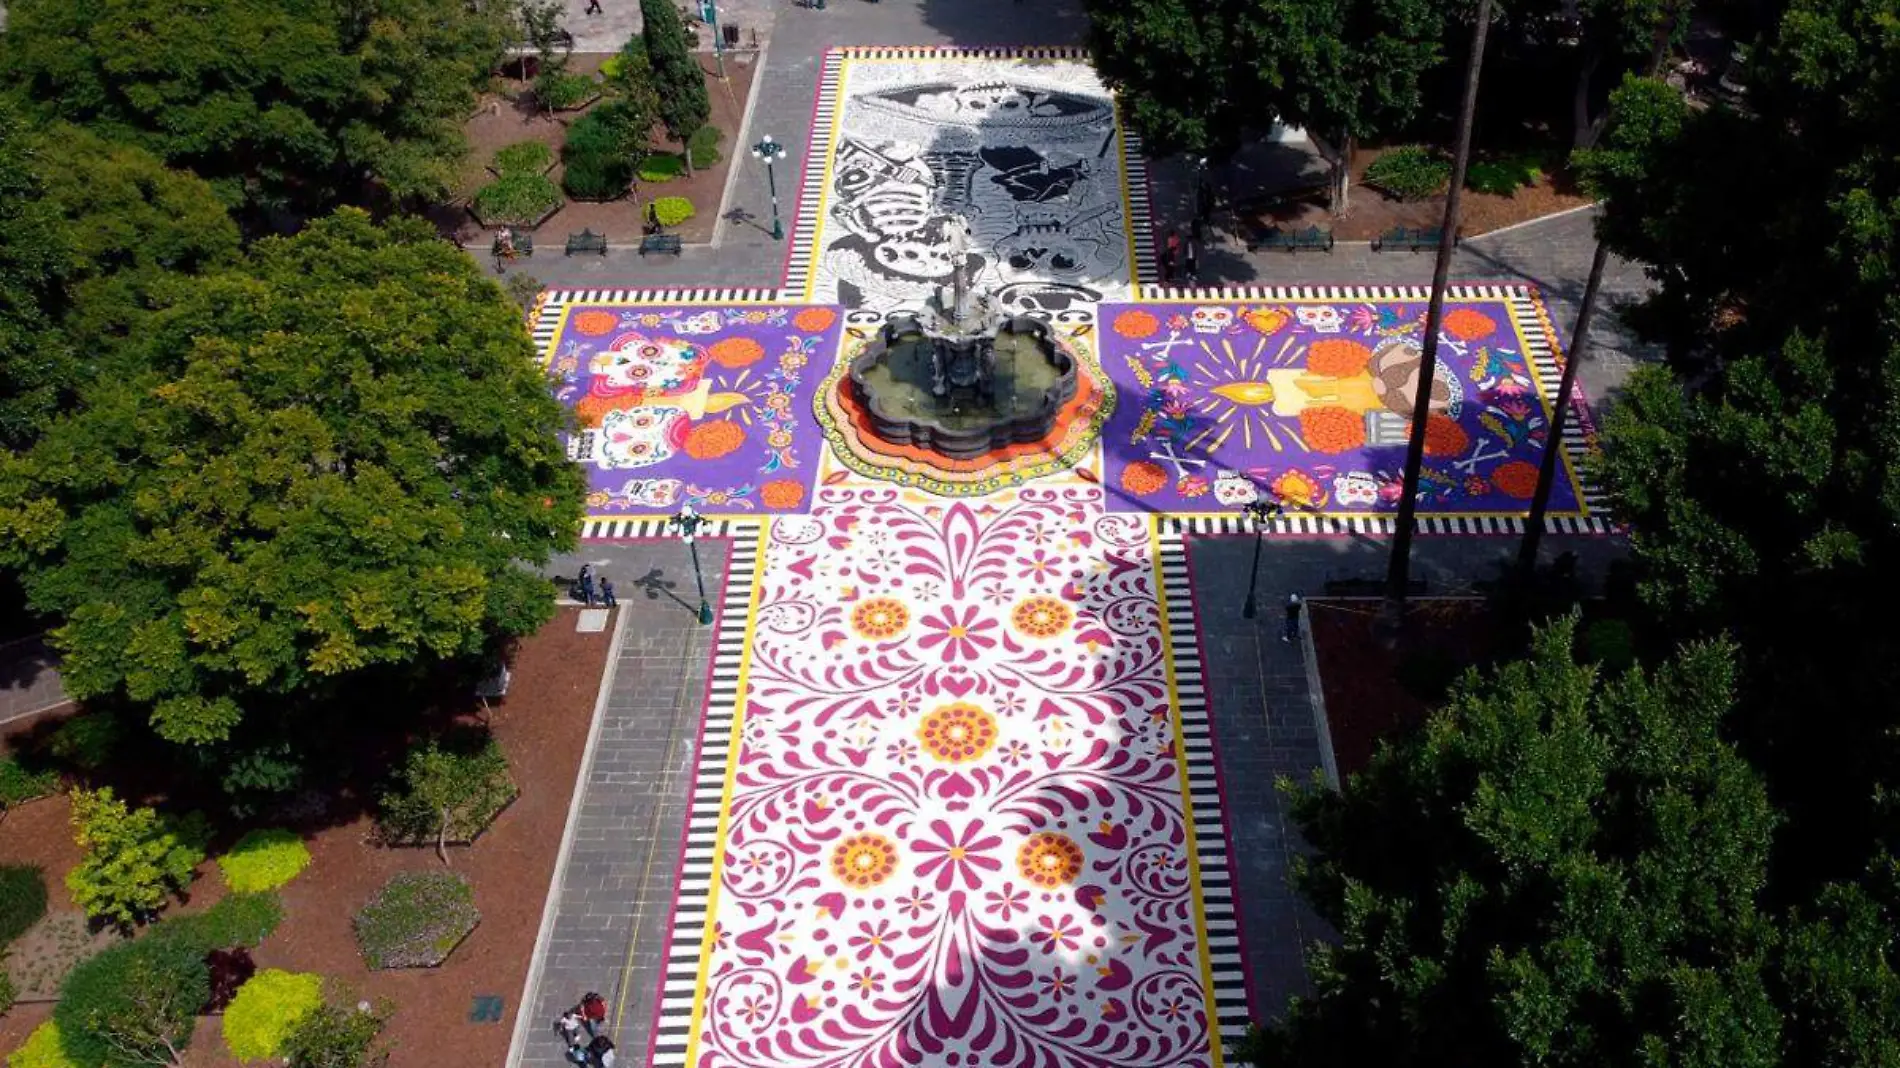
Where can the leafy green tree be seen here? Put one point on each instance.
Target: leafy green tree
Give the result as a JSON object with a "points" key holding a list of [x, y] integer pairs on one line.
{"points": [[336, 456], [1196, 77], [134, 1005], [134, 858], [678, 81], [35, 365], [281, 105], [1557, 870], [339, 1036]]}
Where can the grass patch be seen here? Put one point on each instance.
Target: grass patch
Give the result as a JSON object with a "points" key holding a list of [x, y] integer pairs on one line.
{"points": [[416, 920], [523, 157], [18, 785], [22, 900], [516, 200], [703, 146]]}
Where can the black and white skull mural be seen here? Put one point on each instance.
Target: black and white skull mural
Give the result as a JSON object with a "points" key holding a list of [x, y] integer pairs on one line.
{"points": [[1028, 157]]}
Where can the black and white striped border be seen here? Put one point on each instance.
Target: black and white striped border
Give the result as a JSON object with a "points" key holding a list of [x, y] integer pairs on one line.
{"points": [[1068, 52], [554, 302], [1540, 349], [1229, 995], [679, 982], [647, 527], [1141, 220], [811, 190]]}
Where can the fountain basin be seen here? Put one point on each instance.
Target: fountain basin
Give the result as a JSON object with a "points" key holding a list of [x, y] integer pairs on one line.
{"points": [[1025, 379]]}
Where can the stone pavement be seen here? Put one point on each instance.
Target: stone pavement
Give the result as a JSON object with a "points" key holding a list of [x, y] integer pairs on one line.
{"points": [[1263, 710], [620, 20], [29, 680], [614, 888]]}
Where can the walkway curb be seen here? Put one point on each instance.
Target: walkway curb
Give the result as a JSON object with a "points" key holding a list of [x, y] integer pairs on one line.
{"points": [[739, 146], [518, 1044]]}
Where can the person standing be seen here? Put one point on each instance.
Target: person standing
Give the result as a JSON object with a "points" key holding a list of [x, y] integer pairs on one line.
{"points": [[593, 8], [1191, 264], [1292, 630], [1170, 254], [573, 1030], [607, 592], [587, 588], [602, 1051], [593, 1006]]}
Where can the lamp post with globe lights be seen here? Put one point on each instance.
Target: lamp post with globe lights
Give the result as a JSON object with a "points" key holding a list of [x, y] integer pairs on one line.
{"points": [[771, 152], [1259, 513], [686, 525]]}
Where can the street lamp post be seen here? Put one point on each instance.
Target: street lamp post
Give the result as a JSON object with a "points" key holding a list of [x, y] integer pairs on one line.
{"points": [[1259, 513], [686, 525], [771, 152]]}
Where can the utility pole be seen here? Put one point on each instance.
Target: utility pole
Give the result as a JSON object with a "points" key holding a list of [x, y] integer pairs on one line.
{"points": [[1398, 575]]}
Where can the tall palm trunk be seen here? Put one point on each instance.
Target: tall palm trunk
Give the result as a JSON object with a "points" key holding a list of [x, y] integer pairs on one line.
{"points": [[1398, 575], [1559, 413]]}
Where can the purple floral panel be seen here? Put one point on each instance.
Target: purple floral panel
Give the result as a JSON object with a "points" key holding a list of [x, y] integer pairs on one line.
{"points": [[1221, 403], [706, 405]]}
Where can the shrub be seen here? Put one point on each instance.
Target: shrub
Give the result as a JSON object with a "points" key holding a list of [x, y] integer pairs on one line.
{"points": [[134, 1004], [560, 90], [256, 777], [1611, 643], [44, 1048], [597, 155], [416, 920], [333, 1036], [449, 791], [671, 211], [19, 785], [264, 860], [22, 900], [228, 971], [661, 167], [1502, 175], [516, 200], [265, 1012], [1427, 674], [7, 993], [239, 920], [523, 157], [86, 741], [1410, 172], [703, 146], [134, 858]]}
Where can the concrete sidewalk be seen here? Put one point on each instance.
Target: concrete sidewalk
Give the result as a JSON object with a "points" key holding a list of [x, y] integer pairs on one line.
{"points": [[29, 680]]}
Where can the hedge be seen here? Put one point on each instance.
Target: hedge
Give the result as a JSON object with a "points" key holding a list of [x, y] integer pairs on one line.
{"points": [[522, 157], [266, 1010], [703, 146], [671, 211], [1410, 172], [264, 860], [238, 920], [22, 900], [516, 200], [416, 920], [561, 91], [131, 999]]}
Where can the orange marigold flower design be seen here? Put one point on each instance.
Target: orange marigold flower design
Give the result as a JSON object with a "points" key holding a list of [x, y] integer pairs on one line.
{"points": [[1049, 860], [1136, 324], [1516, 478], [1444, 437], [1468, 325], [782, 493], [958, 733], [1143, 477], [1042, 617], [710, 441], [864, 860], [595, 323], [735, 352], [1299, 489], [1332, 430], [812, 320], [880, 618], [1337, 358]]}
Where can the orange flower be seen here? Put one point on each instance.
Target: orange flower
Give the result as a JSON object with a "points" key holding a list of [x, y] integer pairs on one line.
{"points": [[1332, 430], [1136, 324], [1468, 325], [864, 860], [782, 493], [880, 619], [595, 323], [813, 320], [1444, 437], [1042, 617], [1299, 489], [710, 441], [1337, 358], [736, 352], [1049, 860], [1515, 478], [1143, 477], [958, 733]]}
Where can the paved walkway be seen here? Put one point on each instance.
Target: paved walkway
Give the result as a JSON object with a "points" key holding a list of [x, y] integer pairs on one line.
{"points": [[29, 680]]}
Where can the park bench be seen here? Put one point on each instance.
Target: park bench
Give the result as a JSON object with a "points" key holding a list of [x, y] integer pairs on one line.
{"points": [[1313, 237], [524, 246], [1412, 239], [660, 243], [587, 241]]}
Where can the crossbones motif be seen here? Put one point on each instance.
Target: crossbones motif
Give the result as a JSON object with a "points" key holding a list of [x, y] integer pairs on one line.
{"points": [[1181, 463], [1469, 465]]}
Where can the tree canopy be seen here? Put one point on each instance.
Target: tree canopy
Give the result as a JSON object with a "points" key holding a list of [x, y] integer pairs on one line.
{"points": [[1556, 870], [337, 453], [280, 104], [678, 81]]}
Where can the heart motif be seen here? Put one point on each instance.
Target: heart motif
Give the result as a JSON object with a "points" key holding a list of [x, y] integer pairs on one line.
{"points": [[959, 686]]}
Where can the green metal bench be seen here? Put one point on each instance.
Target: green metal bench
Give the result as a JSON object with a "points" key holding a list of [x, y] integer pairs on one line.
{"points": [[1411, 239], [1312, 238], [660, 243], [587, 241]]}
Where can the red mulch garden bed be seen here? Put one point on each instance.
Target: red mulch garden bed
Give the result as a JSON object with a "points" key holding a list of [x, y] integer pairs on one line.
{"points": [[1372, 691], [542, 727]]}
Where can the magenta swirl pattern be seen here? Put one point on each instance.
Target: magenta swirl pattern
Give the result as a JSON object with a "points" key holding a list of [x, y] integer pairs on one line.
{"points": [[955, 831]]}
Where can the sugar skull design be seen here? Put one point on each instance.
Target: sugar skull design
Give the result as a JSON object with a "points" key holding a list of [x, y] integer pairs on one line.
{"points": [[1321, 318], [1211, 319], [1233, 489], [1356, 489], [652, 492], [636, 370], [641, 437], [706, 322]]}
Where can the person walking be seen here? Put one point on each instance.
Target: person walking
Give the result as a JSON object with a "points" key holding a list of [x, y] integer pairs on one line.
{"points": [[594, 1007], [607, 592], [1292, 630], [593, 8], [1171, 252], [602, 1052], [1191, 264], [586, 583], [572, 1028]]}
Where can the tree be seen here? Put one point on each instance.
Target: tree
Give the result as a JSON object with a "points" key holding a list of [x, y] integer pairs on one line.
{"points": [[282, 106], [1196, 77], [133, 1005], [677, 79], [1556, 870], [339, 1036], [335, 456], [35, 366], [134, 859]]}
